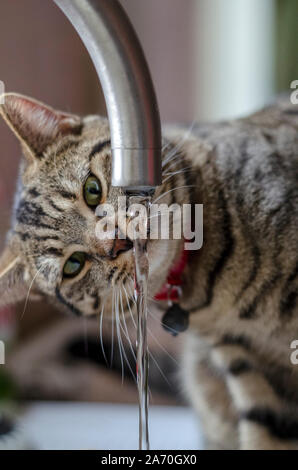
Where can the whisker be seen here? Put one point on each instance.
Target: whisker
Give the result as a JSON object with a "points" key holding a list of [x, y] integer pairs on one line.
{"points": [[100, 334], [179, 143], [158, 367], [173, 189], [169, 163], [128, 303], [163, 324], [124, 353], [29, 290], [120, 345], [112, 332], [166, 145], [126, 329], [178, 172], [162, 347], [175, 170]]}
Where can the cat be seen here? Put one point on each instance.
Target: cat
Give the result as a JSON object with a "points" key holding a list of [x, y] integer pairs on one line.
{"points": [[240, 288]]}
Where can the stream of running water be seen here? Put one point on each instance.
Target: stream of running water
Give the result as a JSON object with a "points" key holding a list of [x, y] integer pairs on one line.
{"points": [[141, 285]]}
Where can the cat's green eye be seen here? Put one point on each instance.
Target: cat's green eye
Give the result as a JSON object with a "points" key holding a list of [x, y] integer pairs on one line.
{"points": [[74, 264], [92, 191]]}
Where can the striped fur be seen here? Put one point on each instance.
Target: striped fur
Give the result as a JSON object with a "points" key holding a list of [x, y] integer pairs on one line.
{"points": [[245, 303], [241, 288]]}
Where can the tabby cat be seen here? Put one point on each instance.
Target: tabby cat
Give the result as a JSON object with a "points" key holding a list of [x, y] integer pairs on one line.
{"points": [[241, 287]]}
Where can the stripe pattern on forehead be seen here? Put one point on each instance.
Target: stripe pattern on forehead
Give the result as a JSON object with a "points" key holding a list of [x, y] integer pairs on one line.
{"points": [[98, 148]]}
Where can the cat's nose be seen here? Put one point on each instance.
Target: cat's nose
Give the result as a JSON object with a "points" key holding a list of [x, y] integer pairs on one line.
{"points": [[120, 245]]}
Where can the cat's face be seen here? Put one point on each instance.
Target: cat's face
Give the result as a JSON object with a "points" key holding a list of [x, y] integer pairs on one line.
{"points": [[53, 248]]}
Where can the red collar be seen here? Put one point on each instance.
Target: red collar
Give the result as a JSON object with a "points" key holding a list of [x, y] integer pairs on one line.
{"points": [[170, 290]]}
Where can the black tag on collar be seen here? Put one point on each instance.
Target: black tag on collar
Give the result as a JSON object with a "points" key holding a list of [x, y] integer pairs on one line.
{"points": [[175, 319]]}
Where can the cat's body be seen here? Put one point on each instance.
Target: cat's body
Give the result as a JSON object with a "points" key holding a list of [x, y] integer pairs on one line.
{"points": [[237, 366], [241, 287]]}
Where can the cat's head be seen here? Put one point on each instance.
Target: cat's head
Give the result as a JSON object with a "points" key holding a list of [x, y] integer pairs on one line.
{"points": [[52, 248]]}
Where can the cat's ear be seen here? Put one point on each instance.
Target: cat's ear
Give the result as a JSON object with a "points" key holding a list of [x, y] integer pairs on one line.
{"points": [[35, 124], [13, 287]]}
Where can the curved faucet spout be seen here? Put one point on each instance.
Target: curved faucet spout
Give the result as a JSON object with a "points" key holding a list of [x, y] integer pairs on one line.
{"points": [[127, 86]]}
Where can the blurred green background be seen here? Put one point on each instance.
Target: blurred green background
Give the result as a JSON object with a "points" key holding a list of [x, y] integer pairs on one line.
{"points": [[286, 43]]}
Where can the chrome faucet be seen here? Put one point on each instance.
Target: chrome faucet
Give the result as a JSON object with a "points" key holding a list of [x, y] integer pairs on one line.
{"points": [[128, 90]]}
